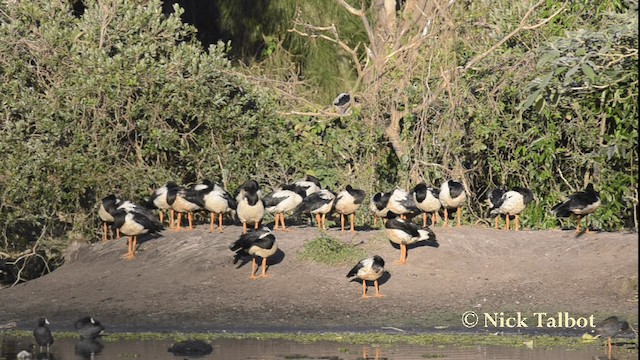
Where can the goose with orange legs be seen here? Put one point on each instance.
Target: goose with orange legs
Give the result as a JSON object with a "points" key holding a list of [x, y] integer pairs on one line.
{"points": [[259, 243], [426, 200], [452, 196], [134, 222], [159, 200], [319, 204], [401, 203], [511, 203], [581, 203], [348, 202], [281, 201], [184, 201], [378, 207], [369, 269], [250, 205], [215, 199], [406, 233], [108, 207]]}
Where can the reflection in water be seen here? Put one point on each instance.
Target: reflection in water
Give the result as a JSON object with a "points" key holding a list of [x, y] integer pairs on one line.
{"points": [[251, 349]]}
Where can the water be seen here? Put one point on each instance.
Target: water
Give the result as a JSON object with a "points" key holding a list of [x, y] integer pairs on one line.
{"points": [[251, 349]]}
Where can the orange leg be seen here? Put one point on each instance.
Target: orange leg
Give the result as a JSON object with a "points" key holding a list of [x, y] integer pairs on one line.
{"points": [[220, 222], [403, 217], [324, 221], [284, 227], [190, 216], [578, 226], [433, 218], [172, 216], [244, 227], [342, 222], [254, 267], [277, 219], [364, 289], [424, 219], [213, 222], [161, 216], [446, 217], [318, 220], [517, 222], [353, 220], [610, 349], [497, 221], [507, 219], [403, 254], [132, 248], [375, 283], [105, 226], [375, 220], [264, 268], [177, 227], [459, 215], [256, 225]]}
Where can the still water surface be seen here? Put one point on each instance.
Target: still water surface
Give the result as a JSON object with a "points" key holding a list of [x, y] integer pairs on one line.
{"points": [[251, 349]]}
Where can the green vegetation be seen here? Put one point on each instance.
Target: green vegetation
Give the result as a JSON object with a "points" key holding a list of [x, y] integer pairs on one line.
{"points": [[328, 250], [123, 97]]}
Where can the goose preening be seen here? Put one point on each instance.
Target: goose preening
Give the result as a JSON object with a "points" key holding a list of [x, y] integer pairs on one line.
{"points": [[319, 204], [250, 205], [282, 201], [255, 243], [610, 327], [369, 269], [160, 200], [42, 334], [215, 199], [378, 206], [184, 201], [426, 200], [310, 184], [348, 202], [581, 203], [342, 102], [134, 221], [406, 233], [509, 203], [108, 206], [451, 196], [401, 203]]}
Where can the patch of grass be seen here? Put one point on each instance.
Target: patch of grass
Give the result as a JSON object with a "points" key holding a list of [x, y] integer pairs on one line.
{"points": [[331, 251]]}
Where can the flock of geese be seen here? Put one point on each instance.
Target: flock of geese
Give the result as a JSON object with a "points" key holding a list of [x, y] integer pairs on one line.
{"points": [[307, 197]]}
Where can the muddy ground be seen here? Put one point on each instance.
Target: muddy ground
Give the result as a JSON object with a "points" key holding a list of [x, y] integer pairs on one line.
{"points": [[186, 281]]}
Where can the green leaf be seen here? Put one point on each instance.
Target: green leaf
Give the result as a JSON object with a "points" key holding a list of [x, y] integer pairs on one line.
{"points": [[547, 57], [588, 71]]}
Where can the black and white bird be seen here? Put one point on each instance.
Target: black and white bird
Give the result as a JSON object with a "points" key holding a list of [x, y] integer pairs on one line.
{"points": [[511, 203], [348, 202], [452, 196], [250, 205], [133, 220], [401, 203], [159, 200], [88, 327], [26, 354], [184, 201], [255, 243], [426, 200], [319, 204], [215, 199], [108, 206], [378, 206], [406, 233], [493, 198], [310, 184], [581, 203], [342, 103], [610, 327], [42, 334], [283, 200], [369, 269]]}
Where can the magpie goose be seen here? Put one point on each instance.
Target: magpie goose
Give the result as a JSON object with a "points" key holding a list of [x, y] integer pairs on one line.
{"points": [[184, 201], [494, 199], [511, 202], [159, 200], [369, 269], [282, 201], [250, 205], [401, 203], [319, 204], [581, 203], [342, 102], [310, 184], [451, 196], [215, 199], [406, 233], [133, 222], [426, 200], [378, 206], [108, 206], [348, 202], [255, 243]]}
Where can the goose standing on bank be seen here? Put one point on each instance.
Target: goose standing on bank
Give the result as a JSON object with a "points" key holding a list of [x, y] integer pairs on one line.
{"points": [[250, 205], [133, 222], [581, 203], [493, 198], [348, 202], [319, 204], [426, 200], [159, 199], [108, 207], [511, 203], [369, 269], [283, 201], [255, 243], [215, 199], [451, 196], [184, 201], [310, 184], [406, 233], [378, 206], [401, 203]]}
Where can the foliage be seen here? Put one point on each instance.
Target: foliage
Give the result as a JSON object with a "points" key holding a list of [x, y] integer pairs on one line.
{"points": [[328, 250]]}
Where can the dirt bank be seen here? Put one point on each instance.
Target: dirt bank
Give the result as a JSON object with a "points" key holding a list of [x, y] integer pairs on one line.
{"points": [[185, 281]]}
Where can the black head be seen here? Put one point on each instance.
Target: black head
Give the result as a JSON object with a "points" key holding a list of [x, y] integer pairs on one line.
{"points": [[171, 185], [624, 326], [379, 260], [43, 322], [250, 186], [313, 179]]}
